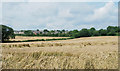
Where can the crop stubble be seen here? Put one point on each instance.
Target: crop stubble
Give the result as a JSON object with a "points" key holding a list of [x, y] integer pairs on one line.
{"points": [[80, 53]]}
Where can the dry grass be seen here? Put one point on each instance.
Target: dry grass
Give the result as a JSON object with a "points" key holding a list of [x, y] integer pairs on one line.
{"points": [[81, 53], [60, 60]]}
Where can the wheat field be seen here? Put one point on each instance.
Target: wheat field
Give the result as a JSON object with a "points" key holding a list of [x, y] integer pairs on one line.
{"points": [[22, 38], [80, 53]]}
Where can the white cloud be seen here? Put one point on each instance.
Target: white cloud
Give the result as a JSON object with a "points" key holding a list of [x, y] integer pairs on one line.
{"points": [[106, 12], [65, 13], [35, 15], [0, 12], [59, 0]]}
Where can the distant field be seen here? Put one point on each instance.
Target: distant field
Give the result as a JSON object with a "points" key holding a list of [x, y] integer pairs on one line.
{"points": [[80, 53], [21, 38]]}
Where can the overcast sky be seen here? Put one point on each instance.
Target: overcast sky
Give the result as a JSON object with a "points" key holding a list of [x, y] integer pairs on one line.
{"points": [[59, 15]]}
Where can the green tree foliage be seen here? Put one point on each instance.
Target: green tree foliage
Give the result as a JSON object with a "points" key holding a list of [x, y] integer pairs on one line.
{"points": [[103, 32], [45, 32], [84, 33], [7, 33], [110, 31], [75, 34], [37, 29], [92, 31], [28, 32], [96, 33], [111, 28]]}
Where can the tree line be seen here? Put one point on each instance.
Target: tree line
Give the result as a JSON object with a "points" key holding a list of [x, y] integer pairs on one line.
{"points": [[109, 31], [7, 32]]}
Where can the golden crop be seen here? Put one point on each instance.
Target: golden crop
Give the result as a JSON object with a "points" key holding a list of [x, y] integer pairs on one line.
{"points": [[81, 53]]}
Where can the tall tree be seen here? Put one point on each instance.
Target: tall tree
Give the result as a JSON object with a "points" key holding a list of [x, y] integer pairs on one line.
{"points": [[84, 33], [92, 31], [7, 33], [45, 31]]}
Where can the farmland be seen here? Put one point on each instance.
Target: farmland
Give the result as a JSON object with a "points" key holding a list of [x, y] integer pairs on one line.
{"points": [[22, 38], [80, 53]]}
